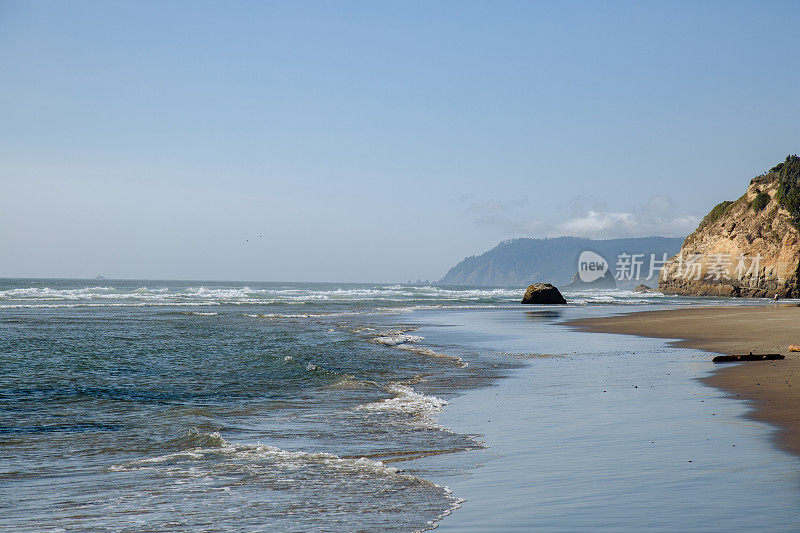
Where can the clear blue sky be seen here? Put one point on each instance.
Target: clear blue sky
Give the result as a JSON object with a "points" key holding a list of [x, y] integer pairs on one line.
{"points": [[374, 141]]}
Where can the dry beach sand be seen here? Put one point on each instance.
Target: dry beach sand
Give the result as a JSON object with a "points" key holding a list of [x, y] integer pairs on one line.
{"points": [[772, 387]]}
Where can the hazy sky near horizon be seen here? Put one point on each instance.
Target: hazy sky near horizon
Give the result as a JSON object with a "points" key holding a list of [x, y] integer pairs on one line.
{"points": [[374, 141]]}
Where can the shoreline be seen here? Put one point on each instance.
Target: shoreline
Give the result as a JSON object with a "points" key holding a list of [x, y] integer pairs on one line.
{"points": [[602, 432], [772, 388]]}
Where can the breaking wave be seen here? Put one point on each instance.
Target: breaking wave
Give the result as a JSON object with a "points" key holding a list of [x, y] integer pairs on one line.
{"points": [[198, 446], [406, 400], [245, 295], [611, 296], [432, 353], [380, 299], [203, 461], [395, 340]]}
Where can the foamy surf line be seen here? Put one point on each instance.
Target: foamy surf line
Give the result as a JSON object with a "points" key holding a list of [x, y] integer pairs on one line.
{"points": [[404, 341], [249, 295], [406, 400], [300, 315], [212, 448], [106, 304], [432, 353], [395, 340]]}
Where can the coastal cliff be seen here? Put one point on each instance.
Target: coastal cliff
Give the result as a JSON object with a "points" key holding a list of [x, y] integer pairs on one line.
{"points": [[748, 247]]}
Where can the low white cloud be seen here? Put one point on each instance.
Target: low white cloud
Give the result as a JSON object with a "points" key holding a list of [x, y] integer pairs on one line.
{"points": [[658, 216], [596, 223]]}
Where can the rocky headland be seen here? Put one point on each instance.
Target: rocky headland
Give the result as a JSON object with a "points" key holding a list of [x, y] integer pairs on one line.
{"points": [[747, 247]]}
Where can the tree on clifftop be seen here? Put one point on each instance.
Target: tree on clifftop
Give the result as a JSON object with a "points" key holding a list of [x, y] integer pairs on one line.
{"points": [[788, 195]]}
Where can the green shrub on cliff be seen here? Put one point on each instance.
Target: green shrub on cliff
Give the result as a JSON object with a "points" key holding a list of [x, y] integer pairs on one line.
{"points": [[788, 195], [715, 213], [760, 202]]}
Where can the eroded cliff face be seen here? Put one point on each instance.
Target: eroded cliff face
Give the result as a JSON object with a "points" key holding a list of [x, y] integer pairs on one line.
{"points": [[748, 247]]}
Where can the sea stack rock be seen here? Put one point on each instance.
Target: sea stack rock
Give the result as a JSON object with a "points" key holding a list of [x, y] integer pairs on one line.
{"points": [[605, 282], [747, 247], [542, 293], [642, 288]]}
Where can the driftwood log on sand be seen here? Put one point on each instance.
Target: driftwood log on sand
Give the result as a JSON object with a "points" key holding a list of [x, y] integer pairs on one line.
{"points": [[748, 357]]}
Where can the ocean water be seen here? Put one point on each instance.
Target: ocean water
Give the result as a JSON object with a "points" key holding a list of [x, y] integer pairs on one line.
{"points": [[148, 405]]}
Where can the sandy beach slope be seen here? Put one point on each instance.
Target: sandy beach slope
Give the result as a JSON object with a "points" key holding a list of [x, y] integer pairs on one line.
{"points": [[772, 387]]}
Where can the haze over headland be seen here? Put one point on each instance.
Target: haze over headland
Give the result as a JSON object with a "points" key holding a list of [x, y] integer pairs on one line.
{"points": [[363, 142]]}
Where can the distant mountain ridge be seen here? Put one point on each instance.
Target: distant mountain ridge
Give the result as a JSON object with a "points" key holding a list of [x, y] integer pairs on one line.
{"points": [[520, 262]]}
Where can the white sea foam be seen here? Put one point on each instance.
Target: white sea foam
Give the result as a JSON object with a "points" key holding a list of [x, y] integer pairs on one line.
{"points": [[363, 329], [46, 292], [407, 400], [250, 295], [108, 304], [611, 296], [454, 506], [301, 315], [394, 340], [380, 299], [207, 455], [428, 307], [432, 353], [296, 315], [212, 445]]}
